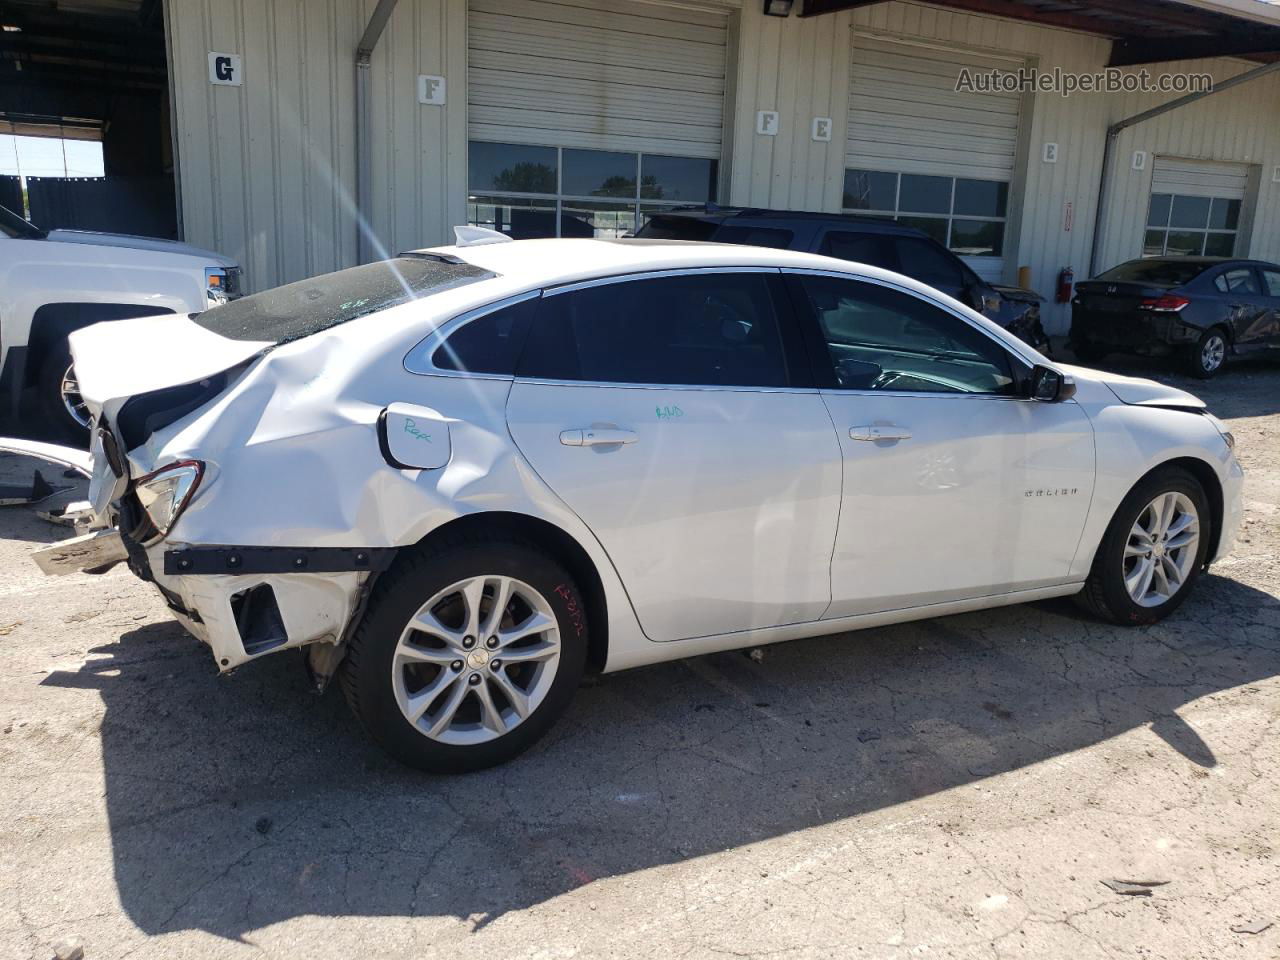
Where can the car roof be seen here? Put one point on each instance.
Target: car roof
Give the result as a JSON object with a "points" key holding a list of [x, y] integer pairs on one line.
{"points": [[550, 262], [1200, 261]]}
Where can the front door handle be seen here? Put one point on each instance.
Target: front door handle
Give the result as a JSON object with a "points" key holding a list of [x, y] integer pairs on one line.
{"points": [[879, 432], [597, 436]]}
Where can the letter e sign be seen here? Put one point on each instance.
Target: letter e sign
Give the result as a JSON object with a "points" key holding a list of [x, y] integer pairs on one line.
{"points": [[224, 69]]}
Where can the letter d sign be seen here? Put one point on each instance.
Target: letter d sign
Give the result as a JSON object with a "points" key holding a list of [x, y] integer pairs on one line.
{"points": [[224, 69]]}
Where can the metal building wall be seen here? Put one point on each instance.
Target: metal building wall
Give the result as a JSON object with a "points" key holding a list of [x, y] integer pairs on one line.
{"points": [[267, 169]]}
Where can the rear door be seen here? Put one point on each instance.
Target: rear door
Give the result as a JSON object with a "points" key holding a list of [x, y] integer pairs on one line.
{"points": [[1271, 293], [672, 413], [1239, 289]]}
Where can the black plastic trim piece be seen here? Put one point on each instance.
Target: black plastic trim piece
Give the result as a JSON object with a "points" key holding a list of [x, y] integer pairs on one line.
{"points": [[385, 446], [239, 561]]}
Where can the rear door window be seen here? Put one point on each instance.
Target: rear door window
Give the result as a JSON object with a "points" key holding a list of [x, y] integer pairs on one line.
{"points": [[702, 329], [929, 263], [677, 228], [756, 236], [873, 249], [298, 310], [1237, 280]]}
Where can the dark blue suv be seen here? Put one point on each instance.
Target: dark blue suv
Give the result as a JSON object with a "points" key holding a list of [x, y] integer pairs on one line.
{"points": [[881, 243]]}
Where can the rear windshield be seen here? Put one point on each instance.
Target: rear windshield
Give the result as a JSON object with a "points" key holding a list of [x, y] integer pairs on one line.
{"points": [[300, 309], [1172, 273], [677, 228]]}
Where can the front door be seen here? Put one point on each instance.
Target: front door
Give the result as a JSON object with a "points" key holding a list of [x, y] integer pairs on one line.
{"points": [[666, 412], [954, 485]]}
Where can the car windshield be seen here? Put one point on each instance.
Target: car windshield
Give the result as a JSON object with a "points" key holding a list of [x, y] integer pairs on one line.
{"points": [[301, 309], [1172, 273], [17, 228], [677, 228]]}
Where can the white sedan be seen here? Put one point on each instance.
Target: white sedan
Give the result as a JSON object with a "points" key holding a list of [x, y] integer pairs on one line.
{"points": [[464, 476]]}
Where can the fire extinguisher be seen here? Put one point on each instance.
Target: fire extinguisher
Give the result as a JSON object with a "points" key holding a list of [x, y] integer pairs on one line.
{"points": [[1065, 280]]}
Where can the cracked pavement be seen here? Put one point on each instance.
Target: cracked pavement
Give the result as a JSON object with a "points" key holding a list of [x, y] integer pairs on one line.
{"points": [[950, 788]]}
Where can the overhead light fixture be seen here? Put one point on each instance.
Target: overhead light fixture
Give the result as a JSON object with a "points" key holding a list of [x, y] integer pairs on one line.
{"points": [[777, 8], [11, 28]]}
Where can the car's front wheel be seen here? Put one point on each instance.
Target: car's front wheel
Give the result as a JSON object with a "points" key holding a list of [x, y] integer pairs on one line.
{"points": [[1152, 552], [1209, 353], [467, 653]]}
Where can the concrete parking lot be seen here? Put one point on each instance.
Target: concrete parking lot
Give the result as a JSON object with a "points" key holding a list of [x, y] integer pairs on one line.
{"points": [[952, 788]]}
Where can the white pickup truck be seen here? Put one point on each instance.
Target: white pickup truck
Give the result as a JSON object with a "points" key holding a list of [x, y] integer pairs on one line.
{"points": [[54, 282]]}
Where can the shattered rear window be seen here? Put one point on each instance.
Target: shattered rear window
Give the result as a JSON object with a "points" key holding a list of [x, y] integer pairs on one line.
{"points": [[298, 310]]}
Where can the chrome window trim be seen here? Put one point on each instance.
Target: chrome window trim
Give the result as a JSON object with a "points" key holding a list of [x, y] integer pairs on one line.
{"points": [[708, 387], [651, 275], [418, 360]]}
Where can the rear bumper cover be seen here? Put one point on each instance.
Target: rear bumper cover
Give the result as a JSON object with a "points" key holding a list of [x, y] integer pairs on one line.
{"points": [[255, 610], [244, 602], [1135, 332]]}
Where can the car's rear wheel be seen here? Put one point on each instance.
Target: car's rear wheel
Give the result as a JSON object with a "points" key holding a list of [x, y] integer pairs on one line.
{"points": [[63, 407], [466, 654], [1207, 356], [1153, 550]]}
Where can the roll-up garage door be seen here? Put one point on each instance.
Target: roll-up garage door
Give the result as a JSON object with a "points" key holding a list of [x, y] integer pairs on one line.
{"points": [[1199, 178], [936, 157], [1196, 207], [906, 114], [603, 75]]}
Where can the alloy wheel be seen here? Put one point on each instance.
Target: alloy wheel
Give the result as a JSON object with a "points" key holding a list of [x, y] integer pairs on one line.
{"points": [[1213, 353], [72, 401], [1161, 550], [476, 660]]}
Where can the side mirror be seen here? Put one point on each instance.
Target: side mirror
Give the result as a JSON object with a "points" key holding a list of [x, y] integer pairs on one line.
{"points": [[1051, 386]]}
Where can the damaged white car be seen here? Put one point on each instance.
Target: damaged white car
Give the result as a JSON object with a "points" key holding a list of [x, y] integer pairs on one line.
{"points": [[464, 476]]}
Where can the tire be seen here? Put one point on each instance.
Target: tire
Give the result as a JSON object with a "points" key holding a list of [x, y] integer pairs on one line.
{"points": [[1106, 593], [1089, 354], [1207, 358], [56, 406], [391, 671]]}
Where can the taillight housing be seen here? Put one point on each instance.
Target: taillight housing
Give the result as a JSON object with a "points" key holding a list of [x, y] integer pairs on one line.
{"points": [[165, 493], [1167, 303]]}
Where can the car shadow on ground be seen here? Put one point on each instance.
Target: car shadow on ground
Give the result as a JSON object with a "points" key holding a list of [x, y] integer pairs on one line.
{"points": [[237, 802]]}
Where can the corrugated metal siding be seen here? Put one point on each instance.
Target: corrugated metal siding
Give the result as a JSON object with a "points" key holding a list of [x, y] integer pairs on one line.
{"points": [[1199, 178], [267, 169], [906, 115], [1238, 126], [608, 75], [790, 66]]}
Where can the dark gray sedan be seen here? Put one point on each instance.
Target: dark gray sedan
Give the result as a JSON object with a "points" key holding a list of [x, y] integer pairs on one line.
{"points": [[1198, 310]]}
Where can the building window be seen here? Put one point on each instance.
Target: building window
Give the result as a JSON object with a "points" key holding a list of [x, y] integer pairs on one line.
{"points": [[966, 216], [527, 191], [1180, 226]]}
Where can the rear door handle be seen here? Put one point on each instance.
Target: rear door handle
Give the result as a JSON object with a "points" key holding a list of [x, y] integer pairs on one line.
{"points": [[880, 432], [596, 436]]}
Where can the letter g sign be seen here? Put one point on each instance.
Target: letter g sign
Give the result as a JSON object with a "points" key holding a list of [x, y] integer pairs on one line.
{"points": [[224, 69]]}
